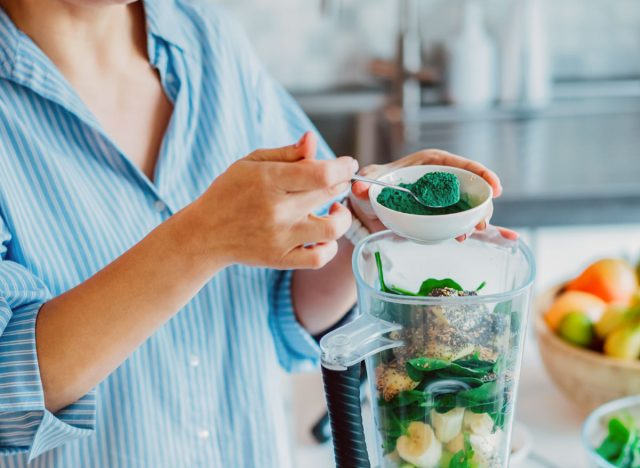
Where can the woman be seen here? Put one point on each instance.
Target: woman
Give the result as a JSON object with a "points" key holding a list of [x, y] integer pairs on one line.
{"points": [[143, 254]]}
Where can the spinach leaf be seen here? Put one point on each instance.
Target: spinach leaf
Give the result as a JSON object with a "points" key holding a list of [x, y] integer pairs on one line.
{"points": [[383, 286], [472, 382], [406, 398], [426, 287], [616, 447], [486, 393], [418, 366], [481, 286], [473, 362], [464, 458], [618, 430], [430, 284]]}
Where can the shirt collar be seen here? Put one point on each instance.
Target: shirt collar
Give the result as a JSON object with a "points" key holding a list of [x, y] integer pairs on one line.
{"points": [[9, 39], [162, 22]]}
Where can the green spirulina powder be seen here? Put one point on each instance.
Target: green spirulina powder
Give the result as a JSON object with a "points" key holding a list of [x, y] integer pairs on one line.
{"points": [[434, 188]]}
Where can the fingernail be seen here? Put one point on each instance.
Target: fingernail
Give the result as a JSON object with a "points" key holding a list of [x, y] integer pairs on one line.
{"points": [[301, 141]]}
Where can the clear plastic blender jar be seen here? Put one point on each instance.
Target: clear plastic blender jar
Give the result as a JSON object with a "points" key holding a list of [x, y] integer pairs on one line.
{"points": [[443, 369]]}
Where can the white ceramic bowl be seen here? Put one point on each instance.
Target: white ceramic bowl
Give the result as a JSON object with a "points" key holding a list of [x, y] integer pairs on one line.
{"points": [[594, 429], [431, 229]]}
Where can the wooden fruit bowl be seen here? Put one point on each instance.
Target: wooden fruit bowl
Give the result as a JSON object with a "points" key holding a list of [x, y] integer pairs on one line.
{"points": [[586, 377]]}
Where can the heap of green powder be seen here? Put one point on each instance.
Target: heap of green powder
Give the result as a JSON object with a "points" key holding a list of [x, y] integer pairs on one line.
{"points": [[435, 188]]}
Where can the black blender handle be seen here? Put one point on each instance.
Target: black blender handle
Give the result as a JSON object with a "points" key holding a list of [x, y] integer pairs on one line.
{"points": [[342, 389]]}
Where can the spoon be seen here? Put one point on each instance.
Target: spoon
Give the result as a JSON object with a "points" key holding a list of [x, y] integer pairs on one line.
{"points": [[394, 187]]}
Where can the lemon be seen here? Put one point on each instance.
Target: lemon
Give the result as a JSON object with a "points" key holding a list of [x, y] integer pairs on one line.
{"points": [[577, 329], [613, 318]]}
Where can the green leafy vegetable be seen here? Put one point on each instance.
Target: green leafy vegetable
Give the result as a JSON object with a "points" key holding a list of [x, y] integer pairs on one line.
{"points": [[430, 284], [383, 286], [621, 447], [464, 458], [426, 288]]}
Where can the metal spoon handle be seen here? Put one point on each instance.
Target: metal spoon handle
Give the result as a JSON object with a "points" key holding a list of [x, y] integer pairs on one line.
{"points": [[379, 182]]}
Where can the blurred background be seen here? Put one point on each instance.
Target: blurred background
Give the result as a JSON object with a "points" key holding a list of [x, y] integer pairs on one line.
{"points": [[545, 92]]}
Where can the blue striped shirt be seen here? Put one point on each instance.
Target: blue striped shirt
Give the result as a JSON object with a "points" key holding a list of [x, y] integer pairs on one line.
{"points": [[204, 391]]}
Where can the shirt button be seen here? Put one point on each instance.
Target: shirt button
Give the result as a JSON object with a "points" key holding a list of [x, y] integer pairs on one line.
{"points": [[159, 206], [170, 78], [194, 361], [203, 434]]}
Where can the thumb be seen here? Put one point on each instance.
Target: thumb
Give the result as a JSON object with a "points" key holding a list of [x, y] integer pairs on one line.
{"points": [[305, 148]]}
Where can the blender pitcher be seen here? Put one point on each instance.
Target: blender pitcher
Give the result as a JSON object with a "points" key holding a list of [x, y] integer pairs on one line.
{"points": [[442, 347]]}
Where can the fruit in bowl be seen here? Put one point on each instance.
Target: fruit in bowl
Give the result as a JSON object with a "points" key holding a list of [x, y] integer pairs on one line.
{"points": [[612, 279], [599, 310], [589, 338]]}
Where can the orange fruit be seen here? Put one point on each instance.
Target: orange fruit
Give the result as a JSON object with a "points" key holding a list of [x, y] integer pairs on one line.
{"points": [[612, 280], [574, 301]]}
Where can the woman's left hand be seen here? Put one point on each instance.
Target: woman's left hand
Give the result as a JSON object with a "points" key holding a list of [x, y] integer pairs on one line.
{"points": [[359, 197]]}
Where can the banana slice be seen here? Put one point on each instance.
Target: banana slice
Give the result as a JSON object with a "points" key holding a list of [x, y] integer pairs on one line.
{"points": [[456, 444], [420, 446], [477, 423], [447, 425], [485, 447]]}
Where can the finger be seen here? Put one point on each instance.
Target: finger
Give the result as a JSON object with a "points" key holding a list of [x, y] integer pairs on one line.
{"points": [[482, 225], [444, 158], [311, 257], [320, 229], [360, 190], [309, 200], [461, 238], [305, 148], [312, 174], [508, 233]]}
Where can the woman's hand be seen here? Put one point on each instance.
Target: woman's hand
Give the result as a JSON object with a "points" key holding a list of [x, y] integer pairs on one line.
{"points": [[359, 198], [260, 211]]}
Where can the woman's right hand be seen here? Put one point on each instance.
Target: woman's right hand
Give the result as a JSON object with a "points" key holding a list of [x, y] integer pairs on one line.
{"points": [[259, 212]]}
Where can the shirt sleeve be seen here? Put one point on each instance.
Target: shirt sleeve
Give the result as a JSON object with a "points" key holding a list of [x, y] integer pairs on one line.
{"points": [[25, 423]]}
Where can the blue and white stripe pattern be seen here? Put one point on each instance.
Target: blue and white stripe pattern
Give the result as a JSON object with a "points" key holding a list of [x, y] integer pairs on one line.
{"points": [[204, 390]]}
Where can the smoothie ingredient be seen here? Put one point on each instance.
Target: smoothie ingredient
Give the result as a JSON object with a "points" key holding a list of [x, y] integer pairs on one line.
{"points": [[614, 317], [624, 343], [456, 444], [437, 189], [613, 280], [478, 423], [447, 425], [621, 447], [420, 446], [392, 381], [433, 188], [429, 287], [577, 328], [574, 301]]}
